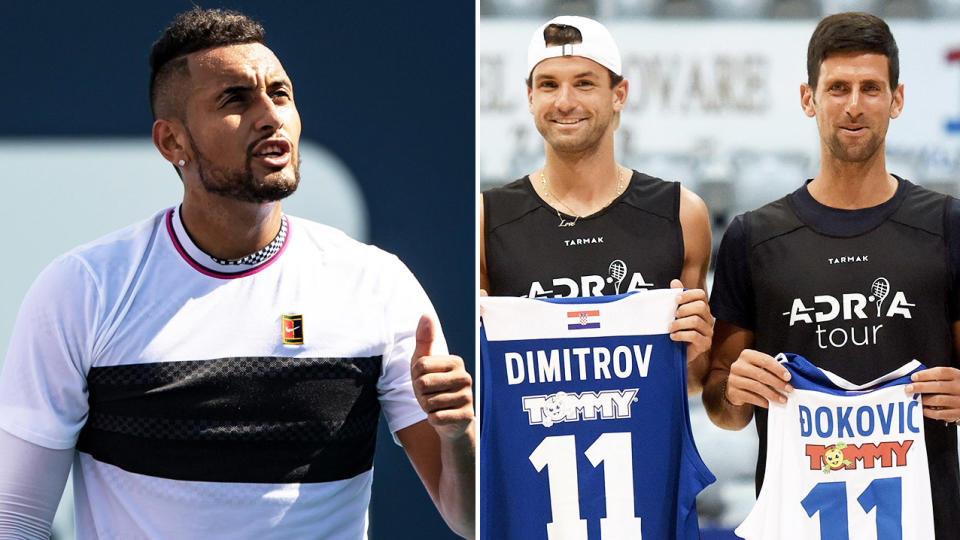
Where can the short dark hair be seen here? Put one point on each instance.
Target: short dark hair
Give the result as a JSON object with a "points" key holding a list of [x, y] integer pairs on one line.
{"points": [[193, 31], [852, 32], [564, 34]]}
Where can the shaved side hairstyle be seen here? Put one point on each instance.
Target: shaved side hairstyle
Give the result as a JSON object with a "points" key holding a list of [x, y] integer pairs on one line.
{"points": [[192, 31], [564, 34], [852, 32]]}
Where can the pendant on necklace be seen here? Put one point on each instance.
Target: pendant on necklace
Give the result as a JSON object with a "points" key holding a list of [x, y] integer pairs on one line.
{"points": [[565, 223]]}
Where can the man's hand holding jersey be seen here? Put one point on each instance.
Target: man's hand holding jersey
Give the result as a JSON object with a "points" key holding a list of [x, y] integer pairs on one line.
{"points": [[756, 378], [940, 387], [694, 323]]}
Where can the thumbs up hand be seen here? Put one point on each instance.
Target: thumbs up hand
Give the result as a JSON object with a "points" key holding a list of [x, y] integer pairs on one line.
{"points": [[441, 384]]}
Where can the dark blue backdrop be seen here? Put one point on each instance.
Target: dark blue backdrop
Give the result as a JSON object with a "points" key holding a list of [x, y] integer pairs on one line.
{"points": [[387, 86]]}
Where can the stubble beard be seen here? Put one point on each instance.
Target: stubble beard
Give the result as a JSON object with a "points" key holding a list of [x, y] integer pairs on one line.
{"points": [[581, 144], [854, 153], [240, 184]]}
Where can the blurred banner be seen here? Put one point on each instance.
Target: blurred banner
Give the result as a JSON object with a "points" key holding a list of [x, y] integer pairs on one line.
{"points": [[720, 100]]}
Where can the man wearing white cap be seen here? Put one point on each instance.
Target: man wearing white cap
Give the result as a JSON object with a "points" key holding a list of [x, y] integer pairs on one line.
{"points": [[584, 225]]}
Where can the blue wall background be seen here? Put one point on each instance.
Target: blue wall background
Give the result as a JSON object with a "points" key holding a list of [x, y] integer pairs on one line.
{"points": [[386, 86]]}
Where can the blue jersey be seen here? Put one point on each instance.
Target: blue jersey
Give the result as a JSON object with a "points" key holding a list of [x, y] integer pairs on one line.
{"points": [[585, 432]]}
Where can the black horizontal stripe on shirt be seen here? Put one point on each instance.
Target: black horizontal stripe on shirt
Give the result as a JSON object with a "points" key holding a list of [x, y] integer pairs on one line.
{"points": [[247, 419]]}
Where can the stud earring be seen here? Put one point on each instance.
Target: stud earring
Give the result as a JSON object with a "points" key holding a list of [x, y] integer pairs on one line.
{"points": [[182, 163]]}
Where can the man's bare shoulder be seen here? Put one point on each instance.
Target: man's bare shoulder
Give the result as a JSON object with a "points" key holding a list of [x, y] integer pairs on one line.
{"points": [[691, 205]]}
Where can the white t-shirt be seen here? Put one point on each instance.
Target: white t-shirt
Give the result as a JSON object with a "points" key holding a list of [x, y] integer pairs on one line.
{"points": [[200, 421]]}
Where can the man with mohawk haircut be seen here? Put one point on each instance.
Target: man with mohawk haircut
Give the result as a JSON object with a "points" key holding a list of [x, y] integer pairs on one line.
{"points": [[218, 370]]}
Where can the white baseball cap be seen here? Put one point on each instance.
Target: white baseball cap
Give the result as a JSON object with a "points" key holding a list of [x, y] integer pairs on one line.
{"points": [[597, 44]]}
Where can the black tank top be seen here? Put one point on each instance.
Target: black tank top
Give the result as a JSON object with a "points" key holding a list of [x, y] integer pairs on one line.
{"points": [[860, 306], [634, 243]]}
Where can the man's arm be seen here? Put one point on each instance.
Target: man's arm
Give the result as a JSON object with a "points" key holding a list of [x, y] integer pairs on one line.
{"points": [[442, 449], [43, 395], [740, 378], [31, 483], [694, 324], [484, 280], [940, 387]]}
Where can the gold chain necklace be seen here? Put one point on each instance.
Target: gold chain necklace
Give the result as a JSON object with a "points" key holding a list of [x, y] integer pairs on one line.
{"points": [[564, 222]]}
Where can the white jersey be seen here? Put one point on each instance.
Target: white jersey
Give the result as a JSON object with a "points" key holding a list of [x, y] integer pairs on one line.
{"points": [[210, 401], [844, 461]]}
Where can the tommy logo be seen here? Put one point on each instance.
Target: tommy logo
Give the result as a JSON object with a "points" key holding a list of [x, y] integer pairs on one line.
{"points": [[847, 456], [581, 320], [573, 407], [292, 329]]}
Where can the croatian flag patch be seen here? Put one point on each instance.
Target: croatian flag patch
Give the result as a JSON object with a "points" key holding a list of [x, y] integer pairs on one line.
{"points": [[581, 320]]}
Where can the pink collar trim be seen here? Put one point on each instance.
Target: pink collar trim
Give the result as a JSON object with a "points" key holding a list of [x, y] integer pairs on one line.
{"points": [[186, 245]]}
